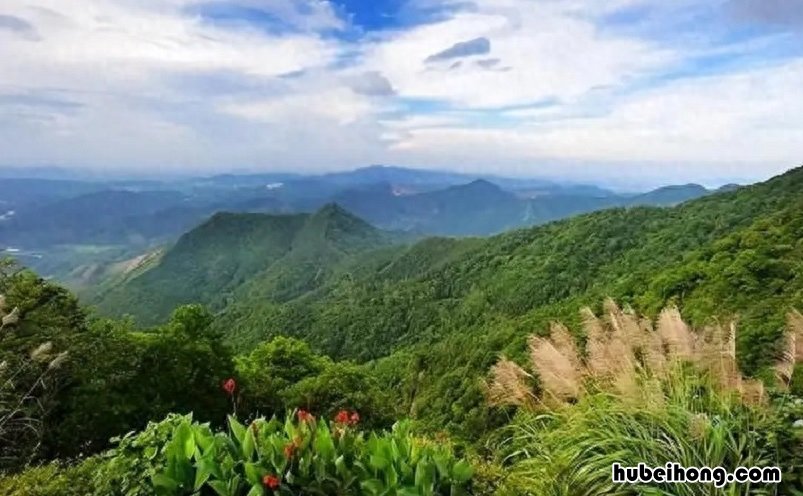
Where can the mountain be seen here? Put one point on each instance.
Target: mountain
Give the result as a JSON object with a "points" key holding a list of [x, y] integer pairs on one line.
{"points": [[23, 192], [281, 256], [67, 229], [481, 207], [476, 208], [670, 195], [428, 319], [438, 313], [421, 180], [102, 217]]}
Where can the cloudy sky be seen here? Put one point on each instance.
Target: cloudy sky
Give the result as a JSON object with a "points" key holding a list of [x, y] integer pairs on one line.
{"points": [[618, 91]]}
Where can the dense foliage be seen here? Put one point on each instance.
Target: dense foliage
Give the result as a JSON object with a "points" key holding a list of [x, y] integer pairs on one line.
{"points": [[643, 393], [308, 456], [335, 318], [280, 256]]}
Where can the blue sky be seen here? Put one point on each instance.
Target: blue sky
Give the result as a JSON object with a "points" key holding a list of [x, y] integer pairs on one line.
{"points": [[622, 92]]}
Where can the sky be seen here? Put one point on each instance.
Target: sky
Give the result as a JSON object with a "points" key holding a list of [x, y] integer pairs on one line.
{"points": [[619, 92]]}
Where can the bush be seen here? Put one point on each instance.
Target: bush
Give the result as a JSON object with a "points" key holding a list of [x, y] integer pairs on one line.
{"points": [[53, 479], [307, 456]]}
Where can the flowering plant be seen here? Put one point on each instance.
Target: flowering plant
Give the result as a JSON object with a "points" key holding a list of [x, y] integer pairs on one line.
{"points": [[304, 455]]}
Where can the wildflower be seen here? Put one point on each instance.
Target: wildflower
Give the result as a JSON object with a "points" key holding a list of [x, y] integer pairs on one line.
{"points": [[355, 418], [271, 481], [342, 417], [289, 450], [305, 416], [229, 385]]}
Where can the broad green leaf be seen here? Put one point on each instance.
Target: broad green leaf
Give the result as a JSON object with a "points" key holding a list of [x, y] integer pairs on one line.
{"points": [[462, 471], [249, 444], [219, 487], [324, 444], [256, 490], [373, 486], [237, 429], [425, 475], [165, 482], [253, 473], [201, 476], [185, 440]]}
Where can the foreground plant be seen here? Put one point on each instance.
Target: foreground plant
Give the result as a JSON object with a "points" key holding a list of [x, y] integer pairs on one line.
{"points": [[25, 386], [639, 392], [304, 455]]}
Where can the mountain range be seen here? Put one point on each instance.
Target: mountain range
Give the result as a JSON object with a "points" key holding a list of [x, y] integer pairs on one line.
{"points": [[67, 226], [450, 306]]}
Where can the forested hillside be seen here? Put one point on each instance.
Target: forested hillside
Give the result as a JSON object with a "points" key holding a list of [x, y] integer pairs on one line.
{"points": [[448, 307], [77, 231], [282, 256], [325, 313]]}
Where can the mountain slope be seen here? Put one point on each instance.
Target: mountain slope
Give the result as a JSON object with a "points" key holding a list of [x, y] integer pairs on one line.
{"points": [[482, 208], [287, 254], [430, 319], [101, 217], [513, 276]]}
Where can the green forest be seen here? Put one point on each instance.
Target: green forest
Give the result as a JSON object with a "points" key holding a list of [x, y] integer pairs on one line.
{"points": [[316, 354]]}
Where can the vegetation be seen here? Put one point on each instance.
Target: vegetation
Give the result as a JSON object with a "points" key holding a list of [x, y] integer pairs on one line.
{"points": [[280, 256], [323, 313], [308, 456], [643, 395]]}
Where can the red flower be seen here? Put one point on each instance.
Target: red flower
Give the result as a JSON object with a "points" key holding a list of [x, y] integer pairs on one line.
{"points": [[355, 418], [305, 416], [229, 385], [271, 481], [342, 417], [289, 450]]}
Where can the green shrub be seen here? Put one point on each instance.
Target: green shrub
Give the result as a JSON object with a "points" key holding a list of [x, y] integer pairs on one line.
{"points": [[127, 469], [307, 456], [54, 480]]}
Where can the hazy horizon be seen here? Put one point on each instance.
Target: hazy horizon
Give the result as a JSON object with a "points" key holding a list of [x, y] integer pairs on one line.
{"points": [[626, 93], [634, 185]]}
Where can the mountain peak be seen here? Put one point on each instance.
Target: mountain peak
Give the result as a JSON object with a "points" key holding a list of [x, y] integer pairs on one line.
{"points": [[482, 184], [334, 218], [332, 211]]}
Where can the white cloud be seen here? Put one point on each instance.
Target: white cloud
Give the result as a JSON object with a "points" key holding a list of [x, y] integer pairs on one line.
{"points": [[745, 124], [549, 53], [153, 84]]}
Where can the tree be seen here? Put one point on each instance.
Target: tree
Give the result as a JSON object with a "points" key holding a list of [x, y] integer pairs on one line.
{"points": [[271, 368]]}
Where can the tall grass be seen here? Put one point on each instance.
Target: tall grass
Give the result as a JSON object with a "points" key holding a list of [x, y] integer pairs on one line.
{"points": [[636, 391], [24, 386]]}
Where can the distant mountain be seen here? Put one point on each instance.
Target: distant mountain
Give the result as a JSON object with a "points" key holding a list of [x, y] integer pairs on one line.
{"points": [[481, 207], [16, 193], [420, 180], [63, 226], [101, 217], [670, 195], [279, 256], [728, 187]]}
